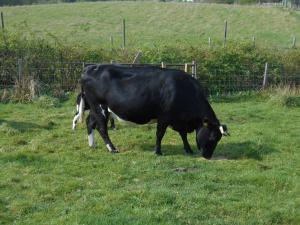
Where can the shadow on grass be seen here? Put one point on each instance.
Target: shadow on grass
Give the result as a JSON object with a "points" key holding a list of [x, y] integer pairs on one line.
{"points": [[242, 150], [25, 126]]}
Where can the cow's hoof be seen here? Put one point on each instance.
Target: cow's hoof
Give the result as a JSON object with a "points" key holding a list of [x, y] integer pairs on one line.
{"points": [[158, 153], [114, 151], [188, 152]]}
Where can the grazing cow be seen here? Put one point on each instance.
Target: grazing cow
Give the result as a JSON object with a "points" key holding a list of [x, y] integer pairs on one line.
{"points": [[143, 94], [81, 106]]}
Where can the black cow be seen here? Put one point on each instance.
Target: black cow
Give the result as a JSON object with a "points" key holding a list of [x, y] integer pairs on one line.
{"points": [[143, 94], [82, 105]]}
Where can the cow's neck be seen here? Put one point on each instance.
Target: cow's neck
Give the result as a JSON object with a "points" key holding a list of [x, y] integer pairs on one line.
{"points": [[210, 114]]}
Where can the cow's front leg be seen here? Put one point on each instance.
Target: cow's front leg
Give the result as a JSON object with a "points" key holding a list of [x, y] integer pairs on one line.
{"points": [[186, 145], [101, 122], [91, 126], [160, 132]]}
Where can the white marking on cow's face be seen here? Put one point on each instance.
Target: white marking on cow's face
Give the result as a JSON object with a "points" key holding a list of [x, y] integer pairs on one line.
{"points": [[91, 139], [102, 111], [221, 129]]}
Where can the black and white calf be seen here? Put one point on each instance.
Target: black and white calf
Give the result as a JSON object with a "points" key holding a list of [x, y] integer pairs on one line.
{"points": [[81, 106], [142, 94]]}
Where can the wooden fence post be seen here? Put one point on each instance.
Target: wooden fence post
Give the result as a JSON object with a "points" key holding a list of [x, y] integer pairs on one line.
{"points": [[124, 34], [225, 33], [137, 58], [194, 69], [265, 81], [163, 65], [111, 41], [2, 21], [253, 39], [20, 69], [209, 42], [294, 42], [186, 67]]}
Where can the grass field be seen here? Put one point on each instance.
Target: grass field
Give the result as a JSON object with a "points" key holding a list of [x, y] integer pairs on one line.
{"points": [[50, 176], [153, 24]]}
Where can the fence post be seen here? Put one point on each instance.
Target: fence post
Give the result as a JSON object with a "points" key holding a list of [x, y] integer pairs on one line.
{"points": [[163, 65], [137, 58], [112, 41], [124, 34], [253, 39], [225, 33], [2, 21], [294, 42], [20, 69], [209, 42], [186, 67], [265, 81], [194, 69]]}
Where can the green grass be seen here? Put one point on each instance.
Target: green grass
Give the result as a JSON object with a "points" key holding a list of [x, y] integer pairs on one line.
{"points": [[153, 23], [50, 176]]}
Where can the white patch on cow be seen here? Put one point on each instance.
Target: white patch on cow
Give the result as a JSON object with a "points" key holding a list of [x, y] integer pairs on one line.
{"points": [[102, 111], [221, 130], [115, 116], [108, 147], [91, 139], [81, 110], [76, 117]]}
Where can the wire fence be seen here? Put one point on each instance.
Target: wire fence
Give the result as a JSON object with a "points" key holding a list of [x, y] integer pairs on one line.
{"points": [[65, 76]]}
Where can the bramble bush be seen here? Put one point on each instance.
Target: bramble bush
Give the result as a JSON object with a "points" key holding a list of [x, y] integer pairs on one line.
{"points": [[236, 67]]}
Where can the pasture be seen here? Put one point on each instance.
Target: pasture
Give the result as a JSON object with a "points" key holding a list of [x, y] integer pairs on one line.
{"points": [[50, 176], [153, 24]]}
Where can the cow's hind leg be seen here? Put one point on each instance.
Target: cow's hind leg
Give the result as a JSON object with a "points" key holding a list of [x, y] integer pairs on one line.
{"points": [[160, 132], [112, 122], [186, 145], [91, 126], [101, 125]]}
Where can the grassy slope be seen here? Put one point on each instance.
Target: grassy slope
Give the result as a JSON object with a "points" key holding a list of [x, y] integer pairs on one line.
{"points": [[50, 176], [151, 23]]}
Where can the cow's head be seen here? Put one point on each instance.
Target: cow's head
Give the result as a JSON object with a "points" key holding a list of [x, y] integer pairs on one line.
{"points": [[208, 136]]}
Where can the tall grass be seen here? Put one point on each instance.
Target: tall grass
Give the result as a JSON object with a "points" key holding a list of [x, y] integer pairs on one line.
{"points": [[284, 96]]}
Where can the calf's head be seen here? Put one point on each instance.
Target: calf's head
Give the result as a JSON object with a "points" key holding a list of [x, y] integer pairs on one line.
{"points": [[208, 136]]}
